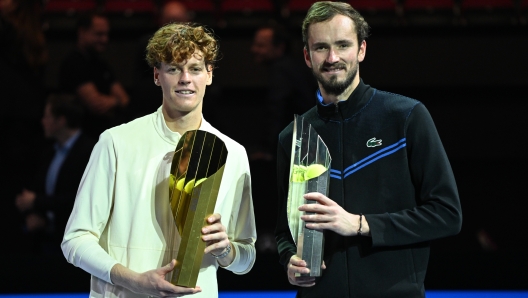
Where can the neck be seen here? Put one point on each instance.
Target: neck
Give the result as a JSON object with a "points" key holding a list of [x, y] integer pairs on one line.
{"points": [[332, 98], [63, 136], [181, 122]]}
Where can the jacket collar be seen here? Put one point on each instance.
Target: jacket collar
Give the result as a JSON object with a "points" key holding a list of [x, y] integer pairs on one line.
{"points": [[345, 108], [171, 136]]}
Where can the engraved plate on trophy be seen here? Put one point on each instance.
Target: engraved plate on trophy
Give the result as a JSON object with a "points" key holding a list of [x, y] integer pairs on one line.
{"points": [[196, 172], [309, 172]]}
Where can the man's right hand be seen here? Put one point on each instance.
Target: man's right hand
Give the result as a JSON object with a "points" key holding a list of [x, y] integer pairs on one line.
{"points": [[296, 265], [151, 282]]}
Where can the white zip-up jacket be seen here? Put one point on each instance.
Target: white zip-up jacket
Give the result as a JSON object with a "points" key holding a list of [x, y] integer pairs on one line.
{"points": [[122, 212]]}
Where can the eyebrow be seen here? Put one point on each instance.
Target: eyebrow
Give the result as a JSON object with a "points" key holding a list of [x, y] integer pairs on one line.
{"points": [[181, 66], [344, 41], [339, 42], [319, 44]]}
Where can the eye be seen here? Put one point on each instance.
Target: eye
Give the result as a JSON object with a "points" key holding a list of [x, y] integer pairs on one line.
{"points": [[173, 69], [320, 48], [196, 69]]}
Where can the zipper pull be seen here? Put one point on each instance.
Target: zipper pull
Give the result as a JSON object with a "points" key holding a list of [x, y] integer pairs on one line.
{"points": [[336, 108]]}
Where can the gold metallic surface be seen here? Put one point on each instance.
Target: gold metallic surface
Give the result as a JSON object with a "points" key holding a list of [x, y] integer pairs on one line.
{"points": [[196, 173]]}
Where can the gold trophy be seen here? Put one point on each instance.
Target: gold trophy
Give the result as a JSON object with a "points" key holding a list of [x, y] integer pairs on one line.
{"points": [[309, 172], [196, 172]]}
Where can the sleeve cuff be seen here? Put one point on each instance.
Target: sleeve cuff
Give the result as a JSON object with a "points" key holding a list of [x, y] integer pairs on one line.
{"points": [[244, 258]]}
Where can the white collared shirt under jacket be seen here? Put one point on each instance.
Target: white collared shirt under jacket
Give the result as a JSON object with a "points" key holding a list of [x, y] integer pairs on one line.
{"points": [[122, 212]]}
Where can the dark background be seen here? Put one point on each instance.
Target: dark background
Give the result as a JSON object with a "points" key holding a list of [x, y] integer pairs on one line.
{"points": [[469, 69]]}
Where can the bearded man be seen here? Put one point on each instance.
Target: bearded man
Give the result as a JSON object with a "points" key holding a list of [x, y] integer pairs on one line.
{"points": [[392, 189]]}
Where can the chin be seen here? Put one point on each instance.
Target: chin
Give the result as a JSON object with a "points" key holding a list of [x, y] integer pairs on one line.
{"points": [[186, 108]]}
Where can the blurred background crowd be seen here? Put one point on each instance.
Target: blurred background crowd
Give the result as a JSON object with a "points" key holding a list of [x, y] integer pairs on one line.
{"points": [[71, 68]]}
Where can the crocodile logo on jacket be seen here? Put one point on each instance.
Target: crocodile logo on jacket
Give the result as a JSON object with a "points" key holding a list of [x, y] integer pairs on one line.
{"points": [[373, 142]]}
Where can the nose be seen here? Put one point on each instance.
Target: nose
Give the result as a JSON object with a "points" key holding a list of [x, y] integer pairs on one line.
{"points": [[185, 78], [332, 56]]}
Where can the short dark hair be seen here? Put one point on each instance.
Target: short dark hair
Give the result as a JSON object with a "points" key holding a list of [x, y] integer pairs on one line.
{"points": [[326, 10], [85, 20], [68, 106]]}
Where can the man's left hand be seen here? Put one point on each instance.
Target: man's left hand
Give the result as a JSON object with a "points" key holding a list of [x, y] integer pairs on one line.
{"points": [[329, 216], [215, 235]]}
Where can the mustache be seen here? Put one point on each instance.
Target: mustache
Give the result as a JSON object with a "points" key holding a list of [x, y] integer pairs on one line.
{"points": [[327, 65]]}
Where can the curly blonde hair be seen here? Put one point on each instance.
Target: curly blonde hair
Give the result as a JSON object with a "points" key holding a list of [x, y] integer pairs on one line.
{"points": [[176, 42]]}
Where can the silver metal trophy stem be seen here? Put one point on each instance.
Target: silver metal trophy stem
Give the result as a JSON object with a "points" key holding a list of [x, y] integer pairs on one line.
{"points": [[309, 172]]}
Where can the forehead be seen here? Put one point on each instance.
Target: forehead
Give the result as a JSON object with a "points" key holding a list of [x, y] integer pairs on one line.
{"points": [[339, 27]]}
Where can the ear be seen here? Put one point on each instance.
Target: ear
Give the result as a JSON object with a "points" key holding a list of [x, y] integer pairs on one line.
{"points": [[156, 76], [209, 74], [362, 51], [307, 57]]}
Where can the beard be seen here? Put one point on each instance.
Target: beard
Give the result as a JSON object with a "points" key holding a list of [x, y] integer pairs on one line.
{"points": [[332, 86]]}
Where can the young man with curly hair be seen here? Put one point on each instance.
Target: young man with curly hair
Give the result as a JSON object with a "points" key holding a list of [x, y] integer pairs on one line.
{"points": [[119, 229]]}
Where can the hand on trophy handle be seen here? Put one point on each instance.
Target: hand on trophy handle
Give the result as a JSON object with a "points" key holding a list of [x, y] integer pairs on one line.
{"points": [[150, 282], [297, 265], [218, 244], [331, 216]]}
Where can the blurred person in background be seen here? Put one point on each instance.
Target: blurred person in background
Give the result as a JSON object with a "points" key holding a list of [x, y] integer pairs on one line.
{"points": [[290, 88], [47, 199], [23, 59], [87, 74]]}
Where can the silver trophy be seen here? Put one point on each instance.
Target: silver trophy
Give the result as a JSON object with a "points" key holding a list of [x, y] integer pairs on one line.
{"points": [[309, 172]]}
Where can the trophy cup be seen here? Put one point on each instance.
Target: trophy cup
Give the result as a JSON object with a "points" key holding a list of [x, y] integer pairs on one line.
{"points": [[309, 172], [196, 172]]}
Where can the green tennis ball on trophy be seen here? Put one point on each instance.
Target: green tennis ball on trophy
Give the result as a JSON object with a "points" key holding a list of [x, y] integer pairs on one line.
{"points": [[297, 177], [172, 179], [298, 173], [299, 168], [313, 171], [191, 184], [179, 184], [199, 182]]}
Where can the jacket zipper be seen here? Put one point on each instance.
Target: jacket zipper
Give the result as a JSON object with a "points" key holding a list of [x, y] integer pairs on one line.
{"points": [[342, 149]]}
